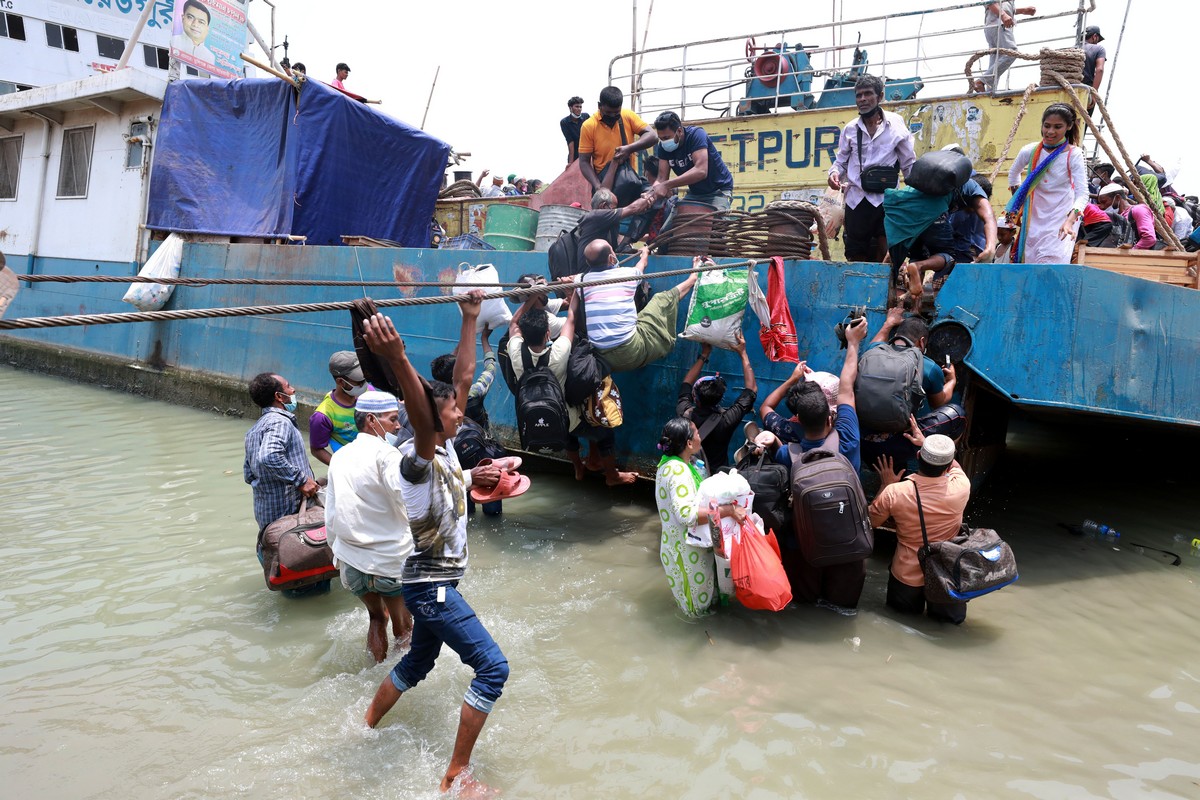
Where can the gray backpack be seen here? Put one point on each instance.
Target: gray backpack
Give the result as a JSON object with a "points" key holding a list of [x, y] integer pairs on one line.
{"points": [[829, 511], [888, 388]]}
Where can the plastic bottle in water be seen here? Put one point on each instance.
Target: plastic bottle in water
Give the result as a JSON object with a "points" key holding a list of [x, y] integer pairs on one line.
{"points": [[1101, 533]]}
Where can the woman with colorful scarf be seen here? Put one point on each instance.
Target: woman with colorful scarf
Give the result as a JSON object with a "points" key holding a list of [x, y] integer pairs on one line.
{"points": [[691, 569], [1050, 200]]}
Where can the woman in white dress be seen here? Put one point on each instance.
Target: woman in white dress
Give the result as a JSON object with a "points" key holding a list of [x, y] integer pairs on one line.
{"points": [[691, 569], [1051, 198]]}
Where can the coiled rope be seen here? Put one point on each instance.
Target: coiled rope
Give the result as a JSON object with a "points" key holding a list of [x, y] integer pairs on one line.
{"points": [[740, 234], [1068, 62], [76, 320]]}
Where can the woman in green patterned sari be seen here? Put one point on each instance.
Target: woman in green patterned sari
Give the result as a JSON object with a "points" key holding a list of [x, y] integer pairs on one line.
{"points": [[686, 556]]}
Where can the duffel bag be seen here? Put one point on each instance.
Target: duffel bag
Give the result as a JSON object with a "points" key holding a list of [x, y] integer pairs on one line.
{"points": [[295, 552]]}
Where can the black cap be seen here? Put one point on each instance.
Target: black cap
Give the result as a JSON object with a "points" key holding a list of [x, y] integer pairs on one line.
{"points": [[1093, 30]]}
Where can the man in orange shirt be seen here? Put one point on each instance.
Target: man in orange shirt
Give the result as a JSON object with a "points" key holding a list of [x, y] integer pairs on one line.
{"points": [[607, 139], [945, 490]]}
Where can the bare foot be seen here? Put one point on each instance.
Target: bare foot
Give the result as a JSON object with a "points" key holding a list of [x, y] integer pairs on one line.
{"points": [[377, 641], [620, 478], [593, 463], [580, 467], [979, 87], [465, 785], [402, 627]]}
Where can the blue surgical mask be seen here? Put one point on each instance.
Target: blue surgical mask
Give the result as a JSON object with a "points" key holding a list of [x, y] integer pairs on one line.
{"points": [[669, 145], [290, 405], [577, 116], [391, 438]]}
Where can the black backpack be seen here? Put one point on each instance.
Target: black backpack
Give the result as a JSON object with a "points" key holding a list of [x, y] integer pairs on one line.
{"points": [[473, 444], [505, 364], [563, 255], [888, 389], [771, 483], [829, 510], [586, 370], [542, 420]]}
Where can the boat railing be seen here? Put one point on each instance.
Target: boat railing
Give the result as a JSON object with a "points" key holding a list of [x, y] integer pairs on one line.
{"points": [[701, 79]]}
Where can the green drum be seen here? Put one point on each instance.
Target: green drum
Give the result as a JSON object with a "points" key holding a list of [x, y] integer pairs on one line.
{"points": [[510, 227]]}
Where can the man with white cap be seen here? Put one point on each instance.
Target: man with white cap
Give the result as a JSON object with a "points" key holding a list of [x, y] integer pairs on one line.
{"points": [[944, 491], [366, 521]]}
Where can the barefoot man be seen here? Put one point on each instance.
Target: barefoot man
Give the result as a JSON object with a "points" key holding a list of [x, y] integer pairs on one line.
{"points": [[435, 493], [366, 521]]}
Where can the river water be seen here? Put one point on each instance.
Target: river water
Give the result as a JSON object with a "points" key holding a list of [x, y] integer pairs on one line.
{"points": [[142, 656]]}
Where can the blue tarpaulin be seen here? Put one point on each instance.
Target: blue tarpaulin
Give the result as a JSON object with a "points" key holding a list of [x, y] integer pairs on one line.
{"points": [[243, 158]]}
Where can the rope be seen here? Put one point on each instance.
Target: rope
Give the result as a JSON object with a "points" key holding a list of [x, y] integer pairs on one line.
{"points": [[463, 188], [1165, 232], [75, 320], [783, 228], [1068, 62], [1012, 134]]}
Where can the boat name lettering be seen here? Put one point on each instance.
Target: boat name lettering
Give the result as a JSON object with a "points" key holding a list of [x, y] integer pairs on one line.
{"points": [[769, 145]]}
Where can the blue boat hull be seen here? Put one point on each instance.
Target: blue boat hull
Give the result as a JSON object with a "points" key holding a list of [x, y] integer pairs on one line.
{"points": [[1063, 337]]}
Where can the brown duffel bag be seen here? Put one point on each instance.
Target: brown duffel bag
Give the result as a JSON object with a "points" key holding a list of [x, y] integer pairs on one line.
{"points": [[295, 552]]}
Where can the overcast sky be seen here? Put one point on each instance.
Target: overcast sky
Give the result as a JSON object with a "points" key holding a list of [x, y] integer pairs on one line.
{"points": [[507, 68]]}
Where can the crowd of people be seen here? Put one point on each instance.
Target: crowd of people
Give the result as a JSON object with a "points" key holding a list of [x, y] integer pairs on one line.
{"points": [[404, 475]]}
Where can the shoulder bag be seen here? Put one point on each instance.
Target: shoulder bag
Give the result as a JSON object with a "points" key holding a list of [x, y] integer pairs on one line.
{"points": [[973, 563]]}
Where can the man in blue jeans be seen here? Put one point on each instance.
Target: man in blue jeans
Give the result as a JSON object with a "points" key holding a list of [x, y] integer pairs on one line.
{"points": [[435, 490]]}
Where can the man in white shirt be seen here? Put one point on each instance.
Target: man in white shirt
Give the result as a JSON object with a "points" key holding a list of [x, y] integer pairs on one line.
{"points": [[879, 146], [190, 42], [365, 518]]}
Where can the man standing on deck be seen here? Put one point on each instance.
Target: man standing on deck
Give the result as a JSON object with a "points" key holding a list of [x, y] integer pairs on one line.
{"points": [[691, 155], [343, 72], [571, 125], [276, 466], [877, 141], [607, 140], [998, 21], [435, 489], [1094, 57]]}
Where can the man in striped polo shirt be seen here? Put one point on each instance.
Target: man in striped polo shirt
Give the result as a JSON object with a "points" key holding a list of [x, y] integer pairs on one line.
{"points": [[626, 338]]}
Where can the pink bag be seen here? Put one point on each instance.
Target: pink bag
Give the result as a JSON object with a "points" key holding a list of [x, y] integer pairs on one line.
{"points": [[758, 577]]}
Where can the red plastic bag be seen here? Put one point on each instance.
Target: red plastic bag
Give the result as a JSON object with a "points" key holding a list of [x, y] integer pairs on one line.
{"points": [[758, 577], [779, 338]]}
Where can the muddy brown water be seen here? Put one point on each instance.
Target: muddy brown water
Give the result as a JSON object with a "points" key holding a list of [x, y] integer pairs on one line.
{"points": [[142, 657]]}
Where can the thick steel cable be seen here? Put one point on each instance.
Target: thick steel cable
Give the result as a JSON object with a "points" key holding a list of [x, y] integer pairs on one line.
{"points": [[235, 281], [76, 320]]}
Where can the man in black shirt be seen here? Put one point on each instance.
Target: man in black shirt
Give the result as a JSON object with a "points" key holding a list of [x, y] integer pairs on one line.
{"points": [[604, 221], [570, 126], [699, 401]]}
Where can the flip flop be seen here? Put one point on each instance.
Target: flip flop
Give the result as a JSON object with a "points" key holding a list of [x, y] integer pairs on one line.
{"points": [[505, 464], [511, 484]]}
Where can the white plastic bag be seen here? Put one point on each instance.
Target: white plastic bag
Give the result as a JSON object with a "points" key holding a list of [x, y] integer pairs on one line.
{"points": [[717, 308], [722, 488], [163, 264], [494, 313], [758, 301]]}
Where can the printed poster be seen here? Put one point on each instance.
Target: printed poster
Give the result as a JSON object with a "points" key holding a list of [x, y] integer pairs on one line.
{"points": [[210, 35]]}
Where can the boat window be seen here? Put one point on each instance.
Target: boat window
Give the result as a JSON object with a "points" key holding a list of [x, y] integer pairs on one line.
{"points": [[157, 57], [62, 37], [10, 165], [76, 163], [12, 26], [139, 137], [110, 47]]}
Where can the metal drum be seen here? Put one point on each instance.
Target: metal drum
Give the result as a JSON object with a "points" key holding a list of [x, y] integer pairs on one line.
{"points": [[510, 227], [553, 220]]}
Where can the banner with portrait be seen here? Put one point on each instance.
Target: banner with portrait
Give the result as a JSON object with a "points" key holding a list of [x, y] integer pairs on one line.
{"points": [[210, 35]]}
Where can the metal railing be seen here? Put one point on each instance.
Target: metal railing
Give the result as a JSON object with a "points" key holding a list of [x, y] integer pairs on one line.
{"points": [[673, 77]]}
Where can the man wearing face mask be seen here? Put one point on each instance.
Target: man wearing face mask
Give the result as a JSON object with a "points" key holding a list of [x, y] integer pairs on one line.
{"points": [[276, 467], [366, 521], [608, 139], [691, 155], [872, 151], [570, 126], [332, 424]]}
